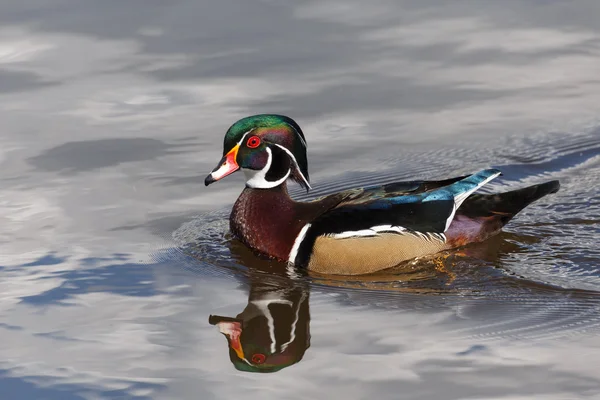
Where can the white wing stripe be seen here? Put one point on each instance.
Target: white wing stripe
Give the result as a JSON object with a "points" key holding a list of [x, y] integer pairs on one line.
{"points": [[373, 231], [460, 198], [376, 230]]}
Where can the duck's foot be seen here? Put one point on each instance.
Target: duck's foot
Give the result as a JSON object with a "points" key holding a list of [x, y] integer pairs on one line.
{"points": [[442, 265]]}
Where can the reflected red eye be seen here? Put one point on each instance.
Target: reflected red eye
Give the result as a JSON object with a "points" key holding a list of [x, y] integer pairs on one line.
{"points": [[258, 358], [253, 142]]}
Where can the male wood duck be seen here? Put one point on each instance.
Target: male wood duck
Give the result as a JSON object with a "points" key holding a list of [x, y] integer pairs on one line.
{"points": [[273, 331], [357, 231]]}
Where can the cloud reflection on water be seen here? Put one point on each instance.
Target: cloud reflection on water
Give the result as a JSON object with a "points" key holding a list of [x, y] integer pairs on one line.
{"points": [[161, 82]]}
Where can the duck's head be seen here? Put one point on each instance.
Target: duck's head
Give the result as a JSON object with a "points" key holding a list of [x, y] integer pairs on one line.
{"points": [[273, 331], [263, 345], [269, 148]]}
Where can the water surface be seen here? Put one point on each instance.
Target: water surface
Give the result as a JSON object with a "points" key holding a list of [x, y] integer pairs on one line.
{"points": [[114, 254]]}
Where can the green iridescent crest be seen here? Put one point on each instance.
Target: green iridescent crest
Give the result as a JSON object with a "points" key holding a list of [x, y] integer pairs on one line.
{"points": [[272, 129]]}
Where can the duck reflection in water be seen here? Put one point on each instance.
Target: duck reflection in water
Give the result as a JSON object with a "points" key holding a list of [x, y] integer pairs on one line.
{"points": [[273, 331]]}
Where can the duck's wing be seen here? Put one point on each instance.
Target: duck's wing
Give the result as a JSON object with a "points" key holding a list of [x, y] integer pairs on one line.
{"points": [[396, 189], [414, 206], [375, 192], [407, 219]]}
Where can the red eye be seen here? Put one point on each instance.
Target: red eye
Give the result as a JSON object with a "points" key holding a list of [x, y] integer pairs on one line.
{"points": [[258, 358], [253, 142]]}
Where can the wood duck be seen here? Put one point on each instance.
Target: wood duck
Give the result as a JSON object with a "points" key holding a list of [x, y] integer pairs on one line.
{"points": [[356, 231], [273, 331]]}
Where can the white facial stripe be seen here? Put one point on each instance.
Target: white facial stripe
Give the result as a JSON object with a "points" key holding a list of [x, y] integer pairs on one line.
{"points": [[298, 134], [244, 135], [258, 180], [297, 243], [263, 306], [289, 153], [293, 326]]}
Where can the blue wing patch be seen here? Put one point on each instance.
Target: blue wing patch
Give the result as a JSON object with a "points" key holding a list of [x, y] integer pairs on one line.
{"points": [[456, 191]]}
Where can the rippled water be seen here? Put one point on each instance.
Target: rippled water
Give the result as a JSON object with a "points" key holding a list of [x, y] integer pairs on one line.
{"points": [[116, 262]]}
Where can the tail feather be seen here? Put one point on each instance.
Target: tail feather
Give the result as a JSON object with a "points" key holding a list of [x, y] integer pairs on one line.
{"points": [[505, 205], [483, 215]]}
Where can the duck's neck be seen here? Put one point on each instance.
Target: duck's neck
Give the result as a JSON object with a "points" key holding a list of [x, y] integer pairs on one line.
{"points": [[266, 220]]}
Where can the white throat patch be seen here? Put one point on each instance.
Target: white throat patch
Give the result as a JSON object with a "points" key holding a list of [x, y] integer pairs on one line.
{"points": [[257, 179]]}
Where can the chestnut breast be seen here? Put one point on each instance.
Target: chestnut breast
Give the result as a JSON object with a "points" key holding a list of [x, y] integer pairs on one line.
{"points": [[267, 221]]}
